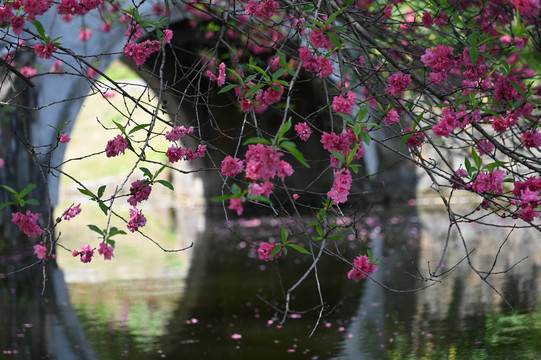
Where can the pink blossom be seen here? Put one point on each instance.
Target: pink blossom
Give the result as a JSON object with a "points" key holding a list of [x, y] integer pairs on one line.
{"points": [[106, 27], [265, 249], [528, 214], [139, 52], [134, 32], [64, 138], [489, 183], [416, 139], [484, 147], [29, 71], [45, 51], [236, 204], [6, 12], [531, 139], [457, 179], [362, 268], [116, 146], [264, 9], [201, 150], [427, 19], [40, 251], [342, 184], [303, 131], [344, 103], [440, 60], [387, 12], [72, 212], [86, 253], [262, 162], [221, 75], [137, 220], [178, 132], [392, 117], [167, 36], [175, 154], [398, 83], [263, 189], [236, 336], [309, 61], [232, 166], [320, 40], [270, 96], [2, 163], [85, 34], [17, 23], [447, 124], [139, 192], [106, 251], [326, 67], [246, 105], [285, 169], [27, 223], [92, 73], [526, 7]]}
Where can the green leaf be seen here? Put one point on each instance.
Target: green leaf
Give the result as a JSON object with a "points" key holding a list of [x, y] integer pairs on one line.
{"points": [[41, 31], [5, 204], [10, 189], [299, 249], [276, 250], [87, 192], [110, 242], [103, 207], [476, 158], [283, 235], [146, 172], [474, 54], [335, 40], [283, 130], [490, 167], [235, 189], [121, 128], [260, 198], [256, 140], [221, 198], [298, 155], [469, 168], [365, 136], [101, 190], [363, 111], [519, 89], [167, 184], [27, 190], [310, 7], [96, 229], [347, 117], [139, 127], [32, 202], [227, 88], [253, 89], [333, 16], [278, 73]]}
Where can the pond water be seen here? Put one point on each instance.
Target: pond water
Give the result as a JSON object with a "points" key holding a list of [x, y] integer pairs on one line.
{"points": [[220, 301]]}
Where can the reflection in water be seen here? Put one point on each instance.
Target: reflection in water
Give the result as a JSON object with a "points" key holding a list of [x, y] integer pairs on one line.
{"points": [[224, 305]]}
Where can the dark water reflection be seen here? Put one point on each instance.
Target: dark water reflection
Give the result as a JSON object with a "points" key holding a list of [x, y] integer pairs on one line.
{"points": [[225, 307]]}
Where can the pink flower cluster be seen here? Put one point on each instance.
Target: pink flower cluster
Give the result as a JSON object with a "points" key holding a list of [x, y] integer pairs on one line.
{"points": [[391, 118], [320, 65], [137, 220], [341, 143], [106, 251], [27, 223], [220, 79], [262, 189], [265, 249], [531, 139], [175, 153], [320, 40], [178, 132], [344, 103], [64, 138], [452, 120], [72, 7], [237, 205], [398, 83], [341, 186], [263, 163], [116, 146], [45, 51], [489, 183], [139, 52], [362, 268], [263, 9], [87, 253], [72, 212], [303, 131], [440, 60], [528, 193], [40, 251], [139, 192], [232, 166]]}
